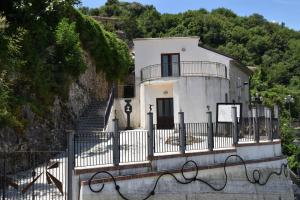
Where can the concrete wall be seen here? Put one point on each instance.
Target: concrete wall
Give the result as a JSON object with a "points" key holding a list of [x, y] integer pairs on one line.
{"points": [[250, 152], [278, 187]]}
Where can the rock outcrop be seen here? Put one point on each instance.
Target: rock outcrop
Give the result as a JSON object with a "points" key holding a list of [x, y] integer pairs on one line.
{"points": [[49, 132]]}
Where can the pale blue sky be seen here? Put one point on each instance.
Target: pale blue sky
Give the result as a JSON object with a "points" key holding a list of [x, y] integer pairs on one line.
{"points": [[287, 11]]}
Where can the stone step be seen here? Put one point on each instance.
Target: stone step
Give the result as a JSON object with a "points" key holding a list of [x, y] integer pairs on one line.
{"points": [[89, 122], [90, 127], [91, 115], [89, 130], [92, 118]]}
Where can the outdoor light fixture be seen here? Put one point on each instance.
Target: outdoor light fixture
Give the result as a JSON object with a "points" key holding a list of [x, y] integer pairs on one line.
{"points": [[244, 84], [257, 99]]}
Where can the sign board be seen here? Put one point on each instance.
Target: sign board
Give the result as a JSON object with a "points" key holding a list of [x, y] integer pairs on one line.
{"points": [[224, 112]]}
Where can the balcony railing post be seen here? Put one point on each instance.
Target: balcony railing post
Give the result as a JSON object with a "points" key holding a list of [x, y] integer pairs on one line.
{"points": [[235, 125], [182, 132], [116, 142], [210, 135], [150, 135]]}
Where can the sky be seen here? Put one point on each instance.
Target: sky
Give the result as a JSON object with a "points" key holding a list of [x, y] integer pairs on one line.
{"points": [[287, 11]]}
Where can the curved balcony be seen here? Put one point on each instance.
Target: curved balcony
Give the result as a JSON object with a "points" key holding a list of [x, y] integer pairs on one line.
{"points": [[185, 68]]}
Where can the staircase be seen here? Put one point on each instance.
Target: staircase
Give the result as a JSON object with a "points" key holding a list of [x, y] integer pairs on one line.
{"points": [[92, 119]]}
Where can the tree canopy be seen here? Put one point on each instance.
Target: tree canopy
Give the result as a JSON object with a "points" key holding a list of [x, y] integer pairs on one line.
{"points": [[42, 45]]}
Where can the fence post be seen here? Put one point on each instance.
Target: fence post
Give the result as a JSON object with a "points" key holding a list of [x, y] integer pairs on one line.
{"points": [[276, 116], [210, 133], [235, 126], [4, 177], [70, 163], [150, 135], [269, 117], [182, 133], [116, 142], [256, 124]]}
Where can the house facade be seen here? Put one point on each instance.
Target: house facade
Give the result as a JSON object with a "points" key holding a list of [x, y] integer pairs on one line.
{"points": [[177, 74]]}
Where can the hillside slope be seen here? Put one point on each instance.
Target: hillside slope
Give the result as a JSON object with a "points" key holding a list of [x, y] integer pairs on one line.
{"points": [[51, 58]]}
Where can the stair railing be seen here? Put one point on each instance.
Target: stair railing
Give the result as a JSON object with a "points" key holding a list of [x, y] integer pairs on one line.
{"points": [[109, 105]]}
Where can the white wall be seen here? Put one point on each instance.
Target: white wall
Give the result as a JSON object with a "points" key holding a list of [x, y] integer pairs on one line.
{"points": [[239, 92], [194, 94], [119, 105], [150, 94], [191, 94], [148, 52]]}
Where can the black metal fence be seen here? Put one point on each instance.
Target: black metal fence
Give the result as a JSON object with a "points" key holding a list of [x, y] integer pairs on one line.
{"points": [[246, 129], [223, 135], [101, 148], [166, 140], [133, 146], [33, 176], [93, 148], [196, 136]]}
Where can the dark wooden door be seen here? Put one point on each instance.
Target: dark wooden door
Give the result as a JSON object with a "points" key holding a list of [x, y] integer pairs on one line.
{"points": [[165, 113]]}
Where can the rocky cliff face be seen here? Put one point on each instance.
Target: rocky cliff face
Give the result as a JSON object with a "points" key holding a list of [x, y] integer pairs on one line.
{"points": [[49, 132]]}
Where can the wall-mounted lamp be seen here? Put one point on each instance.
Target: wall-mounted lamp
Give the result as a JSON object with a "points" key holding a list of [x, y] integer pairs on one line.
{"points": [[244, 84]]}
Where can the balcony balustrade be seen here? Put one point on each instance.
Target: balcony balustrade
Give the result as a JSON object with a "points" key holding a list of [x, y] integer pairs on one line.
{"points": [[186, 68]]}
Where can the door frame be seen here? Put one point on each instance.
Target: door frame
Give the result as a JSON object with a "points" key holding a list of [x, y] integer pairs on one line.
{"points": [[169, 63], [170, 98]]}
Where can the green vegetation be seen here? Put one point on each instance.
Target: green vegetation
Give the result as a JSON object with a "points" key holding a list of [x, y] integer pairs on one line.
{"points": [[272, 48], [42, 45]]}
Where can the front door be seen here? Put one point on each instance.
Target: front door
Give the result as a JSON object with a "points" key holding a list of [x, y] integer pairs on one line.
{"points": [[165, 114]]}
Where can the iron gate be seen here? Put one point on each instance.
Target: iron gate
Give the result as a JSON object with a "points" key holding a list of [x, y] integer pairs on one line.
{"points": [[33, 175]]}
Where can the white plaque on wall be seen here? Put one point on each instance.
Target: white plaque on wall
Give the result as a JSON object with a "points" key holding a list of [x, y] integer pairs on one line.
{"points": [[224, 112]]}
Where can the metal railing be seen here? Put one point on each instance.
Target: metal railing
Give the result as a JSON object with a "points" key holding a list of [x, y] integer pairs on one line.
{"points": [[109, 105], [128, 146], [133, 146], [186, 68], [196, 136], [223, 135], [27, 175], [166, 140], [93, 148]]}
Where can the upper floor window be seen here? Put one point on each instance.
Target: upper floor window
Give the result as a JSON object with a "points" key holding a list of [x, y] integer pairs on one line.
{"points": [[170, 64]]}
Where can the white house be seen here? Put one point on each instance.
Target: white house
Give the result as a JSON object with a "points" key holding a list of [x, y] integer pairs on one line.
{"points": [[179, 74]]}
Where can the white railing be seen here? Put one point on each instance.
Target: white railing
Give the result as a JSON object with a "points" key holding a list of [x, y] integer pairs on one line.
{"points": [[187, 68]]}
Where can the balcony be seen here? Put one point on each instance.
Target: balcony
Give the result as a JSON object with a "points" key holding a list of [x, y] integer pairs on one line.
{"points": [[186, 68]]}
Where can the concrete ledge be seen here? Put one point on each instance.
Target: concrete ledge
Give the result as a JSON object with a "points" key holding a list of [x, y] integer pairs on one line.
{"points": [[112, 167], [204, 167], [193, 153], [277, 141], [161, 161]]}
